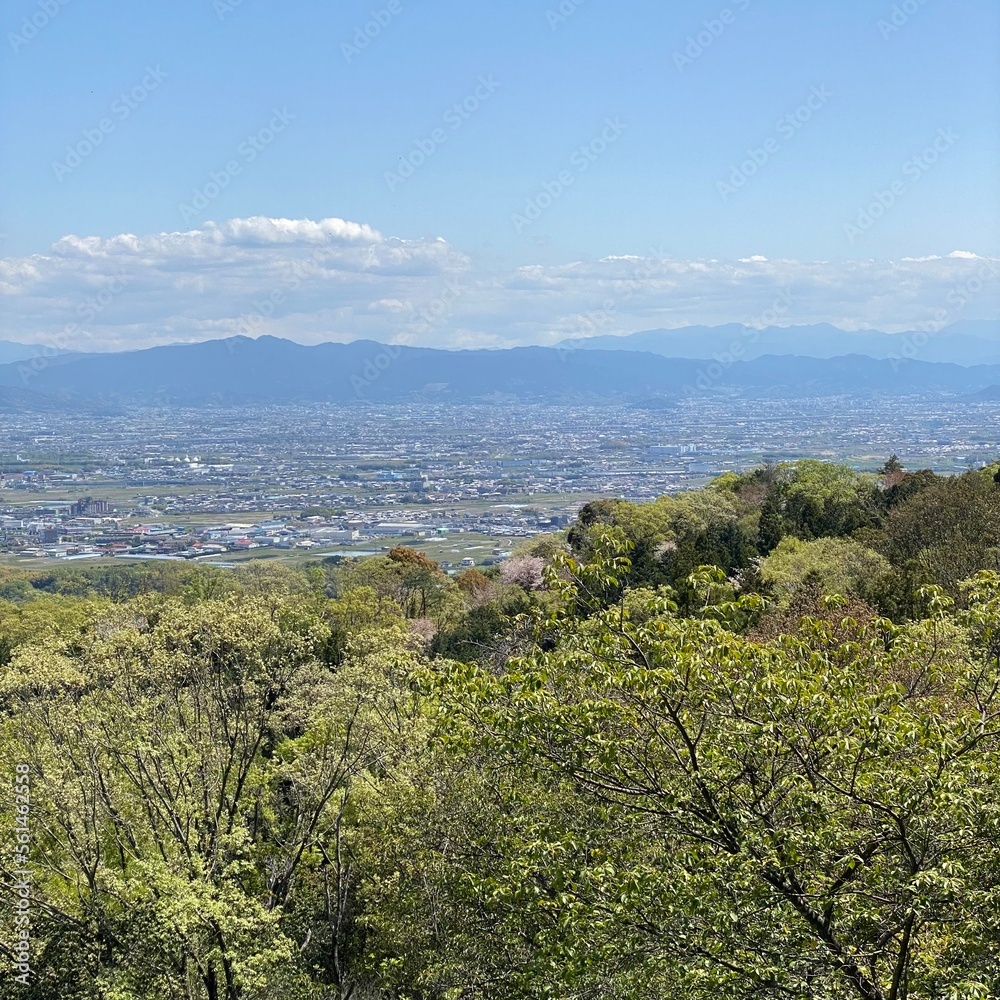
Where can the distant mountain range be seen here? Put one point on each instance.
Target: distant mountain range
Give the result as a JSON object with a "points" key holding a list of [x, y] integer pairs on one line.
{"points": [[991, 394], [269, 370], [243, 370], [965, 343], [11, 351]]}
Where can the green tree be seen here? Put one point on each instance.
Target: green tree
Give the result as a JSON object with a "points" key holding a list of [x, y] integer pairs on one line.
{"points": [[811, 818], [192, 769], [829, 565]]}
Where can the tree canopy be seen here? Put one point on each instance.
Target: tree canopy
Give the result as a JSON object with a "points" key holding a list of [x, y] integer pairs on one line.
{"points": [[655, 758]]}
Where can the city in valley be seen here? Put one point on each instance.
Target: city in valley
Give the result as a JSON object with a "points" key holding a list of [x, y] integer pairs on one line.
{"points": [[461, 483]]}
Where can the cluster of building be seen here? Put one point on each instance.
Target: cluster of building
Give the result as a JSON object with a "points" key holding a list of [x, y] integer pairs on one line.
{"points": [[201, 483], [93, 528]]}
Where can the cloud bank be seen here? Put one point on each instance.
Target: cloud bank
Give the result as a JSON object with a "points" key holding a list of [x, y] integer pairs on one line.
{"points": [[332, 279]]}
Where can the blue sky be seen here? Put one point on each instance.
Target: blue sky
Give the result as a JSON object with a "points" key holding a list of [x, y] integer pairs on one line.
{"points": [[527, 134]]}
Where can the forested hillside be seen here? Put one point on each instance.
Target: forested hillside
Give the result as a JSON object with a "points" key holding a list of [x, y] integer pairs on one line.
{"points": [[739, 742]]}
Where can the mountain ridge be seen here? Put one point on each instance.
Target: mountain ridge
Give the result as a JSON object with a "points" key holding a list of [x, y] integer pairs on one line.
{"points": [[966, 342], [271, 370]]}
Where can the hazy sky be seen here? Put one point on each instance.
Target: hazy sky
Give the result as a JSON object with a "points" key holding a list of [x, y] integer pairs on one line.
{"points": [[507, 148]]}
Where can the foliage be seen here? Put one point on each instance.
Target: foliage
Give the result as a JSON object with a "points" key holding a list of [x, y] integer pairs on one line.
{"points": [[814, 818], [190, 771], [741, 742], [829, 565], [408, 578]]}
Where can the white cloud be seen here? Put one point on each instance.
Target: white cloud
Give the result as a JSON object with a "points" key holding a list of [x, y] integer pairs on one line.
{"points": [[337, 280]]}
